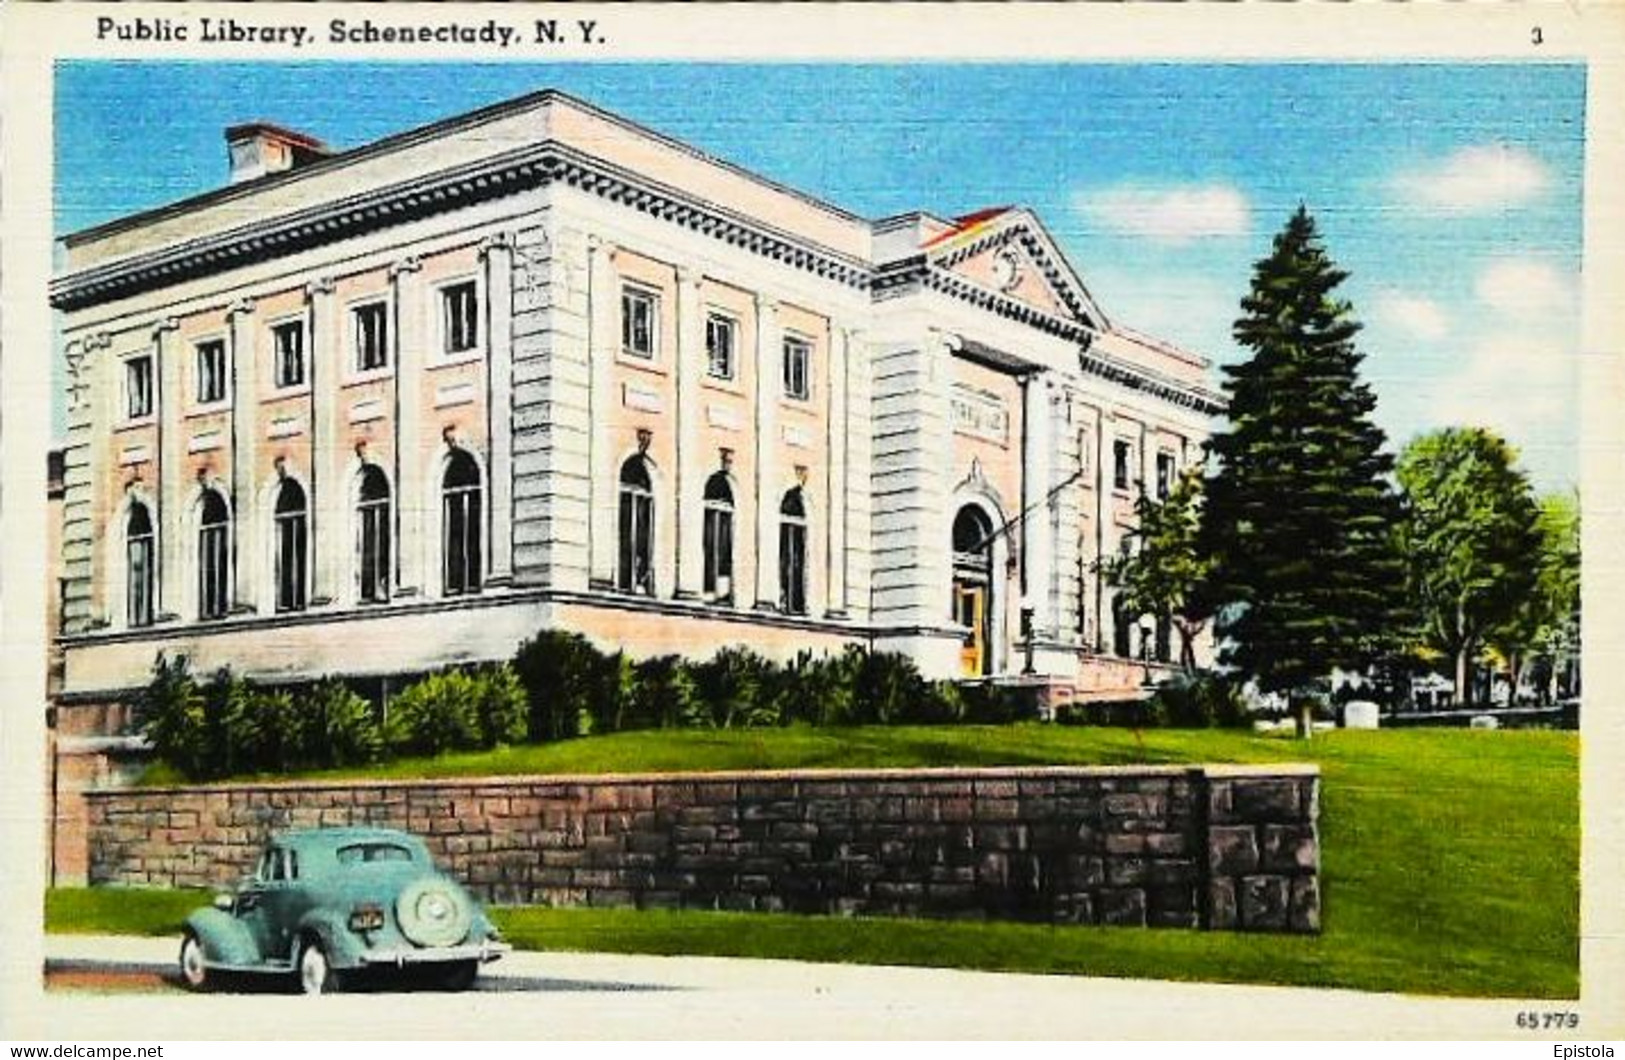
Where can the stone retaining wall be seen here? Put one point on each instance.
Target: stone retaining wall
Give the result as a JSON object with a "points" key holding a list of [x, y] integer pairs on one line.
{"points": [[1216, 847]]}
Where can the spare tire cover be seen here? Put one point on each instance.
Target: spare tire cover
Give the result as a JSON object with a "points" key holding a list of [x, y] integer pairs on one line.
{"points": [[433, 911]]}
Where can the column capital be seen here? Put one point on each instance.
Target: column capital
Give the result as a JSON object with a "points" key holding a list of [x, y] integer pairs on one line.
{"points": [[321, 285], [766, 304], [599, 245], [410, 263], [101, 340], [498, 241], [158, 329], [241, 307], [688, 276]]}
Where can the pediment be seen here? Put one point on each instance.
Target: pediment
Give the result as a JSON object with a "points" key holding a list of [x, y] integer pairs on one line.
{"points": [[1008, 251]]}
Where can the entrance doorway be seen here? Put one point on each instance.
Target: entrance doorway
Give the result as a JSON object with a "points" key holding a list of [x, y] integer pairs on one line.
{"points": [[973, 588]]}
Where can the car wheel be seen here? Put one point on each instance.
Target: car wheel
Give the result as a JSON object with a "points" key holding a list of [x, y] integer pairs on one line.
{"points": [[457, 976], [194, 972], [316, 975]]}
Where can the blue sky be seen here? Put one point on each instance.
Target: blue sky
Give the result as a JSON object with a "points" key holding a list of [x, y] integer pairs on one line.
{"points": [[1451, 193]]}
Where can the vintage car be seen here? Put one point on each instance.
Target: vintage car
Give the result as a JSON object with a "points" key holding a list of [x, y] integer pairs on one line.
{"points": [[329, 903]]}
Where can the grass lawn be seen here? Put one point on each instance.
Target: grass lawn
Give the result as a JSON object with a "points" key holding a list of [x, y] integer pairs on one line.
{"points": [[1450, 861]]}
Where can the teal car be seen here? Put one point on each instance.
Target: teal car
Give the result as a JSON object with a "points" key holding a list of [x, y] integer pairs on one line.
{"points": [[328, 903]]}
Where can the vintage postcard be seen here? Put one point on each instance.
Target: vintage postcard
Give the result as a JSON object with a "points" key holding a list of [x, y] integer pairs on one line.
{"points": [[619, 521]]}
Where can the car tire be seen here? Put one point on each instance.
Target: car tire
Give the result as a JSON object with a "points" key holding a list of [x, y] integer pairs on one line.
{"points": [[457, 976], [195, 974], [314, 973]]}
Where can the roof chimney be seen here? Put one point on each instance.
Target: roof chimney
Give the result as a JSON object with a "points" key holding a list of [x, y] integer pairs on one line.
{"points": [[260, 148]]}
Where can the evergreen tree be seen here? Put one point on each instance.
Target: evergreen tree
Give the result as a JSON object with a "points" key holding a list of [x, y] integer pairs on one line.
{"points": [[1299, 511]]}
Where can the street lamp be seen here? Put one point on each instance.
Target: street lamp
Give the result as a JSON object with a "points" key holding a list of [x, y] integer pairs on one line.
{"points": [[1027, 632]]}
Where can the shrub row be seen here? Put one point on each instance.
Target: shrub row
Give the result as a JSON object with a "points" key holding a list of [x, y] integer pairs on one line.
{"points": [[574, 689], [229, 725]]}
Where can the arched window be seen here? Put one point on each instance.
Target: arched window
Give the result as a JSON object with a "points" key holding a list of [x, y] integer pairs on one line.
{"points": [[138, 565], [373, 525], [292, 532], [213, 555], [635, 573], [973, 540], [719, 539], [793, 554], [461, 502]]}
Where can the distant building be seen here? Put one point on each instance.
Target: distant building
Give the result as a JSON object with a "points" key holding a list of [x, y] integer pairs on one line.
{"points": [[377, 411]]}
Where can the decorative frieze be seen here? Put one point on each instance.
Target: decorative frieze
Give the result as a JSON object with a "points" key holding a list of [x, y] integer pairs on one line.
{"points": [[980, 414]]}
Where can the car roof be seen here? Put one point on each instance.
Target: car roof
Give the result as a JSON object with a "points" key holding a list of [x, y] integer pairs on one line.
{"points": [[337, 837]]}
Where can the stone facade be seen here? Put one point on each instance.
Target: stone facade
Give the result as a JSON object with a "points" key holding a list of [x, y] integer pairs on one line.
{"points": [[1226, 848]]}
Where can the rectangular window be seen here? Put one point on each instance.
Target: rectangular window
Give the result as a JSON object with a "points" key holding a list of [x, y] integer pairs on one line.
{"points": [[459, 317], [719, 553], [1165, 475], [139, 559], [290, 561], [371, 336], [640, 320], [138, 387], [720, 333], [211, 371], [793, 568], [212, 561], [375, 550], [797, 368], [288, 347], [636, 572], [1120, 464]]}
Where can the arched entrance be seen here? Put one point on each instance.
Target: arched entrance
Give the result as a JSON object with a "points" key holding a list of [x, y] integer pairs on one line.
{"points": [[973, 588]]}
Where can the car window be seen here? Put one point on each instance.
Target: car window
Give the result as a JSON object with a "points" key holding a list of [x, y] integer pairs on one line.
{"points": [[263, 872], [279, 863], [357, 853], [293, 864]]}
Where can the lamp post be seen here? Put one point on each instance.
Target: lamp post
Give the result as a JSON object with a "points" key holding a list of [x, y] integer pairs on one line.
{"points": [[1027, 632]]}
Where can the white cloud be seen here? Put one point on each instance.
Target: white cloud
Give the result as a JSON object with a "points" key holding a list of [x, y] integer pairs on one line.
{"points": [[1517, 287], [1523, 385], [1169, 214], [1411, 316], [1475, 180]]}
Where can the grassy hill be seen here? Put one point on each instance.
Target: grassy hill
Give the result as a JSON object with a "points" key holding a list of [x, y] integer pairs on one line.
{"points": [[1450, 860]]}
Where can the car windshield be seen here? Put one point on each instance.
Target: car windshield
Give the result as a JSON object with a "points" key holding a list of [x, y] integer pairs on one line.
{"points": [[357, 853]]}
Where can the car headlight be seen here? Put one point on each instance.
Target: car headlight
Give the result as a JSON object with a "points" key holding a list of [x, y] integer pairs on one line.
{"points": [[367, 918]]}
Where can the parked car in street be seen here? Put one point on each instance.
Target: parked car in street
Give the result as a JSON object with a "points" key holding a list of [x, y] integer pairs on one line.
{"points": [[327, 904]]}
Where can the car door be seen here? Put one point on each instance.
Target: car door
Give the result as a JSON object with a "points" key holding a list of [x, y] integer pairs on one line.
{"points": [[262, 906]]}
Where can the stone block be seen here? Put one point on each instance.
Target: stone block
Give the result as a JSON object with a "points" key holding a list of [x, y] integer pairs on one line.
{"points": [[1167, 844], [1232, 850], [1267, 799], [1305, 912], [1223, 911], [1125, 844], [1075, 907], [1289, 848], [1122, 906], [1127, 872], [1171, 871], [1264, 903], [1083, 870]]}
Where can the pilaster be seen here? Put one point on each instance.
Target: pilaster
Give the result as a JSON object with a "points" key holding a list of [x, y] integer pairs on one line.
{"points": [[245, 513], [498, 254], [171, 467], [690, 369], [768, 487], [1038, 527], [415, 507], [327, 459], [604, 337], [836, 445]]}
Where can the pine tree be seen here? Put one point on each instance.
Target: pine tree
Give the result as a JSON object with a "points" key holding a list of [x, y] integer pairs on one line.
{"points": [[1300, 515]]}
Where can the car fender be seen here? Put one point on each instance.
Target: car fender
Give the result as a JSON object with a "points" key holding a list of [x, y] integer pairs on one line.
{"points": [[225, 939], [329, 926]]}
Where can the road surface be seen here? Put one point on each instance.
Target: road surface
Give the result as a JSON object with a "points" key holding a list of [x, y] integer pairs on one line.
{"points": [[121, 987]]}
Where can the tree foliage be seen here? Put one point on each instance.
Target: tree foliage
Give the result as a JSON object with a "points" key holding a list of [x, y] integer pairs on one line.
{"points": [[1166, 573], [1472, 544], [1298, 510]]}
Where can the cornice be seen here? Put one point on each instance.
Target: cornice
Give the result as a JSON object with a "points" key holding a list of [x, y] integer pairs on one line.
{"points": [[502, 175]]}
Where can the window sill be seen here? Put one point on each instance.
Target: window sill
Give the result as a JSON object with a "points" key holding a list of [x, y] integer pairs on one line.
{"points": [[370, 375], [136, 422], [291, 391], [206, 408], [641, 364], [723, 386], [452, 360]]}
